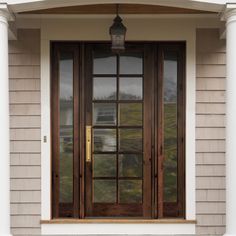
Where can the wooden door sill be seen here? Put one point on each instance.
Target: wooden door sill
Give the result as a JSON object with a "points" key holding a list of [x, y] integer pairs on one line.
{"points": [[118, 221]]}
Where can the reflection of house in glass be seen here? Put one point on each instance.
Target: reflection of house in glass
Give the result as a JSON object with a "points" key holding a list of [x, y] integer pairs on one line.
{"points": [[104, 114], [66, 125], [104, 140]]}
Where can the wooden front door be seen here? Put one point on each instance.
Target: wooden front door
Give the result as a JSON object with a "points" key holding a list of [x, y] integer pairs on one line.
{"points": [[118, 132], [118, 125]]}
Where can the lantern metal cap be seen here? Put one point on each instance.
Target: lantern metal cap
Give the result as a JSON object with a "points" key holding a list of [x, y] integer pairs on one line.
{"points": [[117, 26]]}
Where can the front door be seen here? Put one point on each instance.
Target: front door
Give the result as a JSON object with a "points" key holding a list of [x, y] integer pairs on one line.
{"points": [[118, 132]]}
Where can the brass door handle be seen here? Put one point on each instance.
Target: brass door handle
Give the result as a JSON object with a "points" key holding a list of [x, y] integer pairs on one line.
{"points": [[88, 143]]}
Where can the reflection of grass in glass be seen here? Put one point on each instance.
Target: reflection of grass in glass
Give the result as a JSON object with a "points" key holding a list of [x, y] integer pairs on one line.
{"points": [[131, 114], [66, 176], [170, 151], [130, 140], [130, 191], [104, 165], [104, 191], [130, 165], [104, 140]]}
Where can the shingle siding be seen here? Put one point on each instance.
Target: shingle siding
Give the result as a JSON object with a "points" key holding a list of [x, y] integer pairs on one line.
{"points": [[24, 86], [210, 132]]}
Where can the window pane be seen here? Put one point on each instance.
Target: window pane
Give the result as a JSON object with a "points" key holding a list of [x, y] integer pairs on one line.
{"points": [[104, 165], [66, 127], [131, 88], [130, 191], [104, 114], [131, 113], [170, 127], [130, 140], [104, 63], [104, 88], [104, 140], [104, 191], [130, 165], [131, 63]]}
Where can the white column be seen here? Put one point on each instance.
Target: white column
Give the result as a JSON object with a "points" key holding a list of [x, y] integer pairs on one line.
{"points": [[4, 125], [230, 16]]}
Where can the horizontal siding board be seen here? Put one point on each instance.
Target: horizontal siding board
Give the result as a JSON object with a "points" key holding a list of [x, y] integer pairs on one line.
{"points": [[25, 121], [210, 170], [210, 96], [210, 230], [25, 184], [25, 209], [26, 197], [25, 221], [210, 208], [26, 231], [210, 108], [210, 133], [214, 58], [210, 195], [24, 84], [25, 134], [210, 120], [26, 109], [25, 159], [210, 71], [24, 72], [24, 59], [210, 146], [210, 158], [25, 172], [212, 84], [211, 220], [210, 183], [25, 146], [25, 97]]}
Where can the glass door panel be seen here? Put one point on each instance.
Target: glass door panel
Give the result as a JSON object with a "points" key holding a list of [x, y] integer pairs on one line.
{"points": [[116, 116]]}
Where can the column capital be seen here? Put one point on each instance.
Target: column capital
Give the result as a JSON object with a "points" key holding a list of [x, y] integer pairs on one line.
{"points": [[229, 13], [6, 13]]}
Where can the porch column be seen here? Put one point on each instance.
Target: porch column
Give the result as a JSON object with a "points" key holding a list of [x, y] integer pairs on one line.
{"points": [[230, 17], [4, 125]]}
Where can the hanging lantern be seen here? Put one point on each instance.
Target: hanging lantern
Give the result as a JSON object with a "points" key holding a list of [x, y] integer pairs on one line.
{"points": [[117, 33]]}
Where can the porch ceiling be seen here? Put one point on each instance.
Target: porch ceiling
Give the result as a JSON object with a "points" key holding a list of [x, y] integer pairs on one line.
{"points": [[123, 9]]}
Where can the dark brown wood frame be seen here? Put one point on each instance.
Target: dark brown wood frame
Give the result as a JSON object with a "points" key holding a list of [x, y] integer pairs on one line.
{"points": [[153, 53]]}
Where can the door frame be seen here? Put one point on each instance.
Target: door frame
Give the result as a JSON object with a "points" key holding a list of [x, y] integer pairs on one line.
{"points": [[178, 30]]}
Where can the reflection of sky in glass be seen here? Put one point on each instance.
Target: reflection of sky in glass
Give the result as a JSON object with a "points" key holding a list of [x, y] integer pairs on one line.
{"points": [[66, 127], [104, 88], [66, 79], [104, 65], [131, 88], [131, 65], [170, 80]]}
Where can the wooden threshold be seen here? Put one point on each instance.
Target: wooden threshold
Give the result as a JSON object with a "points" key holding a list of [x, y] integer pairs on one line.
{"points": [[118, 221]]}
